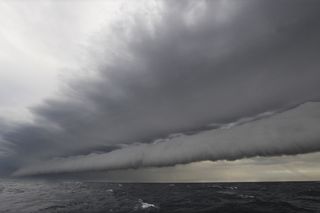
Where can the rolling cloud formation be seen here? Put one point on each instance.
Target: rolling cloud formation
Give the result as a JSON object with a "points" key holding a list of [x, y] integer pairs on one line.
{"points": [[188, 65], [292, 132]]}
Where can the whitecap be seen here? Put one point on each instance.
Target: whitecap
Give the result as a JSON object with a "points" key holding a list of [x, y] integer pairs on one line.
{"points": [[144, 205]]}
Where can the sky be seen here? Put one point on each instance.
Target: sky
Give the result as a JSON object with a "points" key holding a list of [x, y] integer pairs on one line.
{"points": [[223, 90]]}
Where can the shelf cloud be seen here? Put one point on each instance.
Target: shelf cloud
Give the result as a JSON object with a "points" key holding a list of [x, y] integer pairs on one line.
{"points": [[292, 132], [233, 78]]}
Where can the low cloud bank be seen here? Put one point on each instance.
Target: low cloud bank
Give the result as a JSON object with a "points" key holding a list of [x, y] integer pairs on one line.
{"points": [[291, 132]]}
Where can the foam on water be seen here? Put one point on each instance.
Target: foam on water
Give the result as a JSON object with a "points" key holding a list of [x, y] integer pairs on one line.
{"points": [[143, 205]]}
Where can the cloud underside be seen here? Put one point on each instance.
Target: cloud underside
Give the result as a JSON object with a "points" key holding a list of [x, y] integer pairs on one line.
{"points": [[187, 65], [291, 132]]}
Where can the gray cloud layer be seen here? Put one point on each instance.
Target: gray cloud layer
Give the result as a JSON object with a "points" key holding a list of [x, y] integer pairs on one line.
{"points": [[292, 132], [196, 65]]}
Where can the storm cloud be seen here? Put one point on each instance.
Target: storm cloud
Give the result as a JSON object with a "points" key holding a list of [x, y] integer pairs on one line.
{"points": [[292, 132], [187, 65]]}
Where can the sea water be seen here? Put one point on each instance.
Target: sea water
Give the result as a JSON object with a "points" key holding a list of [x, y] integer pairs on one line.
{"points": [[17, 196]]}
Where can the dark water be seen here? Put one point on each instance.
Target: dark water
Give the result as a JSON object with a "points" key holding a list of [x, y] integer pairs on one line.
{"points": [[92, 197]]}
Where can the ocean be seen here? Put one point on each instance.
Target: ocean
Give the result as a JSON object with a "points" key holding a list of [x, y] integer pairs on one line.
{"points": [[18, 196]]}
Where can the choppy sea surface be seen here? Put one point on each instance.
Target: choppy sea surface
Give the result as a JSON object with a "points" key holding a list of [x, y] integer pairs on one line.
{"points": [[93, 197]]}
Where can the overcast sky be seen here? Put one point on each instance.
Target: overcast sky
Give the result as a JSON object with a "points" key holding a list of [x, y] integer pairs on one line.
{"points": [[160, 90]]}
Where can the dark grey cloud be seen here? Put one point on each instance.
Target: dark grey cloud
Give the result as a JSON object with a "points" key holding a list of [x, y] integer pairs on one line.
{"points": [[195, 66], [292, 132]]}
